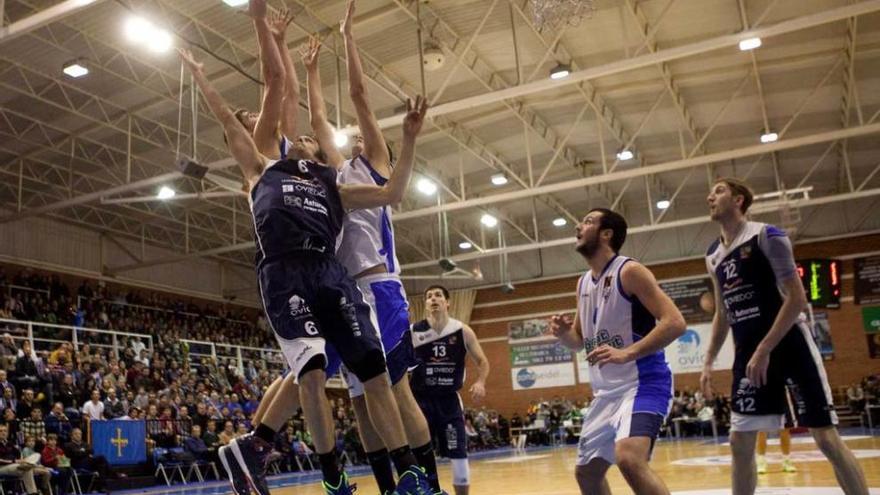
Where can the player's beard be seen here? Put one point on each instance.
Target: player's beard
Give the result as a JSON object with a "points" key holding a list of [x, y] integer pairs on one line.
{"points": [[589, 246]]}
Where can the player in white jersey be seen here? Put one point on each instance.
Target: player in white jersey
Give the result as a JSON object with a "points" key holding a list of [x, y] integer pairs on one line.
{"points": [[623, 320], [760, 296], [366, 249]]}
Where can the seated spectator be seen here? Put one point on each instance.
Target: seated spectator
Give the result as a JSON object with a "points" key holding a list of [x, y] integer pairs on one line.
{"points": [[57, 422], [113, 407], [53, 457], [855, 396], [94, 408], [4, 383], [194, 444], [11, 462], [8, 351], [82, 457], [11, 422], [228, 433], [26, 367], [210, 437], [26, 404], [32, 455], [34, 428], [67, 393], [9, 401]]}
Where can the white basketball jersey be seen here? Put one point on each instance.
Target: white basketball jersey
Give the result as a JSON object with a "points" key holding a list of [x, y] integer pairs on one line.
{"points": [[608, 316], [367, 235]]}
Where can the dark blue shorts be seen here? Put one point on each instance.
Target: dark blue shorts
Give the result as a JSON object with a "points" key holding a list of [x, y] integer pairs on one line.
{"points": [[446, 421], [310, 302]]}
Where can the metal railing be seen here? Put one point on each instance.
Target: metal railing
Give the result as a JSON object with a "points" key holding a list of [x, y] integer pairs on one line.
{"points": [[47, 336]]}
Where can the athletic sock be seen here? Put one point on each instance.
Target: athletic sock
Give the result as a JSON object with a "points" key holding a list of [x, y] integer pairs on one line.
{"points": [[330, 468], [265, 433], [425, 457], [380, 462], [403, 459]]}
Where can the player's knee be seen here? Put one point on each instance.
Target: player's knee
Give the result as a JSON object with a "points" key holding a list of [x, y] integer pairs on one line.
{"points": [[312, 376], [629, 461], [587, 476], [461, 472], [370, 366], [742, 445], [827, 441]]}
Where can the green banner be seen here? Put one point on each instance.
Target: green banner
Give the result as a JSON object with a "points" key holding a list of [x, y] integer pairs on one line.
{"points": [[871, 319]]}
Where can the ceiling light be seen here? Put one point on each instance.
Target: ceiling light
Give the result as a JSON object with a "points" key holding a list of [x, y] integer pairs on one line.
{"points": [[749, 44], [769, 137], [465, 245], [166, 193], [488, 220], [663, 204], [235, 3], [625, 155], [160, 41], [340, 139], [75, 68], [559, 222], [426, 186], [561, 71], [499, 179], [138, 30]]}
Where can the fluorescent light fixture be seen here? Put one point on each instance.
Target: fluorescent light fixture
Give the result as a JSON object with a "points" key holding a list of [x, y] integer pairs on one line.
{"points": [[663, 204], [426, 186], [166, 193], [769, 137], [561, 71], [138, 30], [235, 3], [488, 220], [559, 222], [160, 41], [75, 69], [340, 139], [625, 155], [465, 245], [499, 179], [749, 44]]}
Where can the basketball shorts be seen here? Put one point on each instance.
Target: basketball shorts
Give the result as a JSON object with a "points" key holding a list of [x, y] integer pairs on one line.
{"points": [[385, 295], [611, 419], [310, 302], [445, 417], [795, 365]]}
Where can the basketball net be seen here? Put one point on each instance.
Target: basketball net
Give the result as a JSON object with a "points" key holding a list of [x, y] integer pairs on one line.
{"points": [[554, 14]]}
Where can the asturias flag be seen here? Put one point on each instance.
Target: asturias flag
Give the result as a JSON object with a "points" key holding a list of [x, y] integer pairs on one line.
{"points": [[120, 441]]}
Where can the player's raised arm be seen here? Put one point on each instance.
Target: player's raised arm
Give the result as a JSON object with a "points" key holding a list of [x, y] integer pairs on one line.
{"points": [[265, 131], [278, 23], [475, 351], [640, 283], [317, 111], [241, 145], [375, 149], [367, 196]]}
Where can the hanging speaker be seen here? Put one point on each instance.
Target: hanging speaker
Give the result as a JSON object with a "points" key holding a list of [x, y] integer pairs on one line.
{"points": [[191, 168]]}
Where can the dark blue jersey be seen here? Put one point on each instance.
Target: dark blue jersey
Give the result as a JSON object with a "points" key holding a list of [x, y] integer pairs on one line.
{"points": [[296, 207], [439, 355], [749, 273]]}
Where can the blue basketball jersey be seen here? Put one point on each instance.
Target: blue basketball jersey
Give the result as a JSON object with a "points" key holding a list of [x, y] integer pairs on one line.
{"points": [[440, 355], [296, 207]]}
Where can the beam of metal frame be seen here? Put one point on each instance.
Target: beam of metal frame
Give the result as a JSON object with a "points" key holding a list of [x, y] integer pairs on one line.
{"points": [[688, 50], [44, 17], [568, 241], [717, 157]]}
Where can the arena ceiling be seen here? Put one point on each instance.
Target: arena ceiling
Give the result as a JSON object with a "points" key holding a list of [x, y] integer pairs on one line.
{"points": [[662, 78]]}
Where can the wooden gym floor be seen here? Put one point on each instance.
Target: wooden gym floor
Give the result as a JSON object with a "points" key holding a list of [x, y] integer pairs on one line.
{"points": [[551, 471]]}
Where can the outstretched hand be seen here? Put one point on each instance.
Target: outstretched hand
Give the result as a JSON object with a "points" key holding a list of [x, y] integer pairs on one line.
{"points": [[415, 116], [278, 22], [309, 53], [187, 58], [560, 324], [345, 25]]}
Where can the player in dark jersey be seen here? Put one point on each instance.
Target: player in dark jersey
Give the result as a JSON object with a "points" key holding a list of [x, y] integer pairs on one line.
{"points": [[441, 344], [309, 299], [760, 296]]}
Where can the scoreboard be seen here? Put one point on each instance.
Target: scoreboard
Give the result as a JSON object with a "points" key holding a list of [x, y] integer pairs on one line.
{"points": [[821, 279]]}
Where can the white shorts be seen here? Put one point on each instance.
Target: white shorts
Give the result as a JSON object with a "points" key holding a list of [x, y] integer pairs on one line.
{"points": [[611, 419], [756, 422]]}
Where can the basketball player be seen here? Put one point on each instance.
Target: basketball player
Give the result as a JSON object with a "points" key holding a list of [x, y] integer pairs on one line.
{"points": [[623, 320], [759, 294], [441, 344], [297, 209], [367, 251]]}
